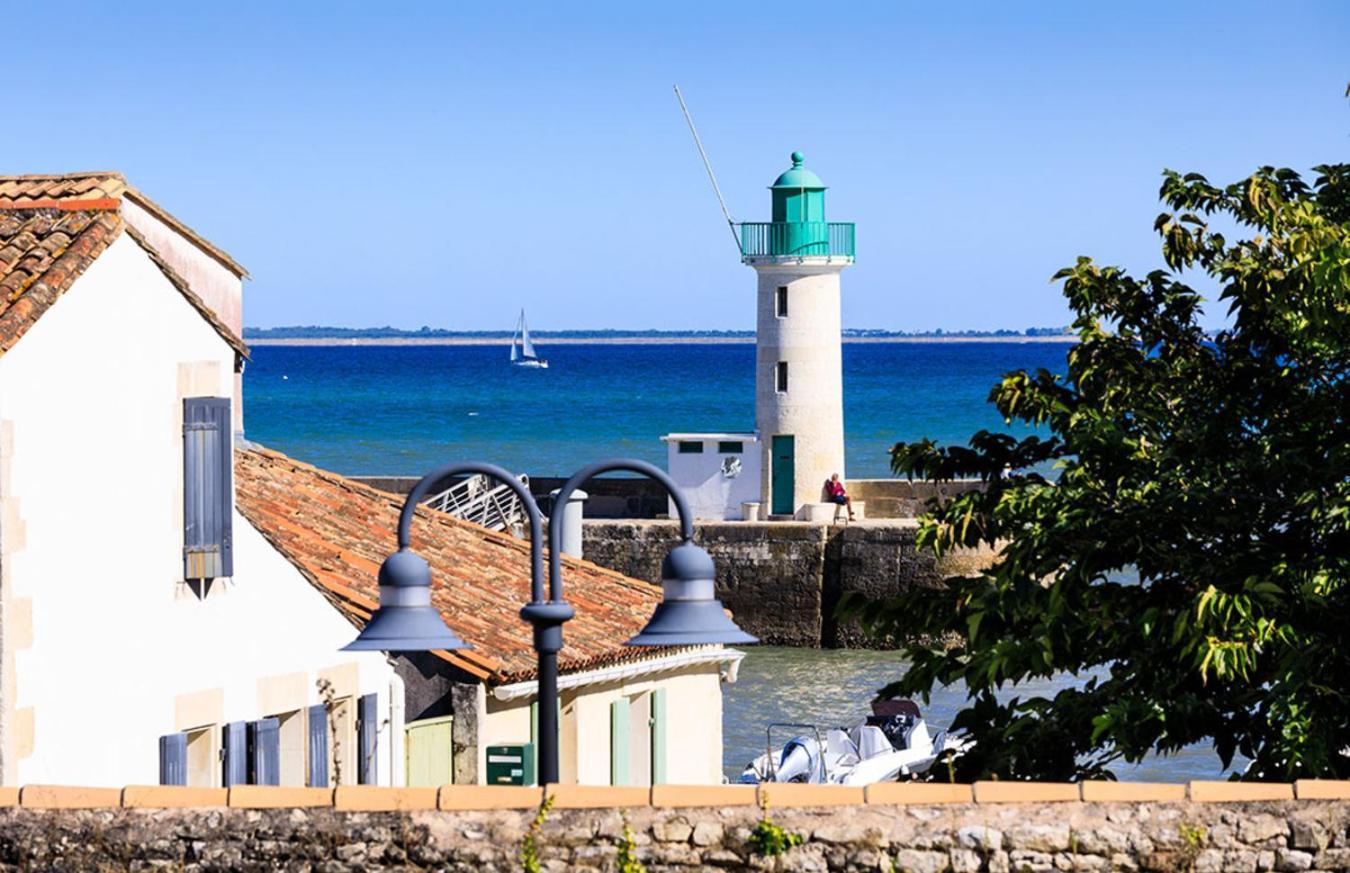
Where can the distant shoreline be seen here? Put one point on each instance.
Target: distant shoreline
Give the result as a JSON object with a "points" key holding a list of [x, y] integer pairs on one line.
{"points": [[637, 340]]}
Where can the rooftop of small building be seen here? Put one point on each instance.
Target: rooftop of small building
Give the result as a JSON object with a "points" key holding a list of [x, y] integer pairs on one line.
{"points": [[689, 437]]}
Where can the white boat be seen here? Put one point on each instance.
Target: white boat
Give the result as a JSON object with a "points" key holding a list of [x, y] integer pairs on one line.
{"points": [[522, 350], [893, 743]]}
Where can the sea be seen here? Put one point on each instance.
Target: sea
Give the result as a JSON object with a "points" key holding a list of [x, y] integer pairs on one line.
{"points": [[404, 410]]}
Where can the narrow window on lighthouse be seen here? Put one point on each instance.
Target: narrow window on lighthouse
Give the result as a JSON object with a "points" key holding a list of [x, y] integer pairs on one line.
{"points": [[780, 302], [780, 378]]}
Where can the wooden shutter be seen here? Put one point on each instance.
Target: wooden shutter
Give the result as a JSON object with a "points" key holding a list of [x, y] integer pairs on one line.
{"points": [[318, 746], [208, 458], [235, 747], [367, 732], [173, 759], [264, 751], [618, 742], [658, 727]]}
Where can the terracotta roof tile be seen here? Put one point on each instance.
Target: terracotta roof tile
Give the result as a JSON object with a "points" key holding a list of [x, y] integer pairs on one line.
{"points": [[42, 253], [337, 533], [53, 227], [100, 190]]}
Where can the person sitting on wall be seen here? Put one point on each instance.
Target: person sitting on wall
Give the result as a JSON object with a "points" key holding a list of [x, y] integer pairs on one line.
{"points": [[838, 494]]}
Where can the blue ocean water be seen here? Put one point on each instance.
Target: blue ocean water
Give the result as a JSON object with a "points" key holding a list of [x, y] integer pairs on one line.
{"points": [[403, 410]]}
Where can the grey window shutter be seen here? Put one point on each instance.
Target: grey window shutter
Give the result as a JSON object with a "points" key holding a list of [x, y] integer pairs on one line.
{"points": [[235, 750], [318, 746], [367, 728], [264, 741], [208, 459], [173, 759]]}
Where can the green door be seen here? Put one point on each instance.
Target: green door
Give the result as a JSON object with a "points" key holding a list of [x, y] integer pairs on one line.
{"points": [[783, 479], [427, 750]]}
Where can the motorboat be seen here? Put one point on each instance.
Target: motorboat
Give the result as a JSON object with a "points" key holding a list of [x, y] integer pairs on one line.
{"points": [[893, 743]]}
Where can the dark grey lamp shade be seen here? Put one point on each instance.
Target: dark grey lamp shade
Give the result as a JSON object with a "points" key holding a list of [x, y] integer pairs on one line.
{"points": [[406, 621]]}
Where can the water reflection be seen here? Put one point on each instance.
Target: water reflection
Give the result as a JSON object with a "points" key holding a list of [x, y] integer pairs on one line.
{"points": [[833, 687]]}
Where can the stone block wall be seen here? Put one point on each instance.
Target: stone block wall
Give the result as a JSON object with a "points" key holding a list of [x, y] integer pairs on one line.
{"points": [[783, 580], [768, 574], [383, 829], [901, 498]]}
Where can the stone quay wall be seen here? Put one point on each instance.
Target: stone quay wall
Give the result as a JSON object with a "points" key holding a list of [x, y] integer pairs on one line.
{"points": [[784, 580], [894, 827]]}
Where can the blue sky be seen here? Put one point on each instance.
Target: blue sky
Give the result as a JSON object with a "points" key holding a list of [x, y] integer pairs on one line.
{"points": [[445, 164]]}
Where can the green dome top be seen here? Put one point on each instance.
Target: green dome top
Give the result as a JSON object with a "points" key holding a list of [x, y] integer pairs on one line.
{"points": [[798, 176]]}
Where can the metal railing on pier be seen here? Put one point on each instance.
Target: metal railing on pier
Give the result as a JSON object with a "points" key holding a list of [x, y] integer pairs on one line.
{"points": [[482, 501]]}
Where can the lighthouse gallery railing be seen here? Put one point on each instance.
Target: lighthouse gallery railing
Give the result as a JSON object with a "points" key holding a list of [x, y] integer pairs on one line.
{"points": [[812, 239]]}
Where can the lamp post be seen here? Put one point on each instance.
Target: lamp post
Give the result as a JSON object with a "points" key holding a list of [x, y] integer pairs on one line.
{"points": [[688, 614]]}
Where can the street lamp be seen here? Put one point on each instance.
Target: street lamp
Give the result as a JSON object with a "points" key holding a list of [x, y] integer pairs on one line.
{"points": [[689, 613]]}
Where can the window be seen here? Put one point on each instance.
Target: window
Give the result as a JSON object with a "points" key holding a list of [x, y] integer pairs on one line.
{"points": [[264, 752], [173, 759], [208, 551], [730, 447], [291, 742], [368, 733], [780, 302], [691, 447], [202, 759], [637, 739], [317, 753], [781, 378]]}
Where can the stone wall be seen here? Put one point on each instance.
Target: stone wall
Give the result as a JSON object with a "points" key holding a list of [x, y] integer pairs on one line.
{"points": [[1292, 835], [901, 498], [783, 580]]}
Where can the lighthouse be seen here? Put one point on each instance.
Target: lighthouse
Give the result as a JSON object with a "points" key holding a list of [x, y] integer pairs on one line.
{"points": [[779, 470], [798, 257]]}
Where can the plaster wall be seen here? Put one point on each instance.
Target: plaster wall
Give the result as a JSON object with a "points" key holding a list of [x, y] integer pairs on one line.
{"points": [[218, 286], [106, 647], [693, 725], [715, 483], [811, 410]]}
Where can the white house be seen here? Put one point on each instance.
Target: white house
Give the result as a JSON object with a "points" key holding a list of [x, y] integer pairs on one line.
{"points": [[153, 630], [120, 356]]}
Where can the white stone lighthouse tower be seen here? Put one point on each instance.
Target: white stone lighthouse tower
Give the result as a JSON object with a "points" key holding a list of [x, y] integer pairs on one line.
{"points": [[799, 405]]}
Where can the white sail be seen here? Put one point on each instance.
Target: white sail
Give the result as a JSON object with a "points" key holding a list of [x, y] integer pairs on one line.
{"points": [[526, 347], [522, 350]]}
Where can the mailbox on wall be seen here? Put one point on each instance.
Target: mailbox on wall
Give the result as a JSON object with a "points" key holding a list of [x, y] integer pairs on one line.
{"points": [[510, 764]]}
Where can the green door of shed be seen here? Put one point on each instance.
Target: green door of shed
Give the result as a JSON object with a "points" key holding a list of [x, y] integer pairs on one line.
{"points": [[428, 752], [784, 458]]}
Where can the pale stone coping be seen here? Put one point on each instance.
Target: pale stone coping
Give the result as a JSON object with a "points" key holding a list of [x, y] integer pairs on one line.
{"points": [[371, 798]]}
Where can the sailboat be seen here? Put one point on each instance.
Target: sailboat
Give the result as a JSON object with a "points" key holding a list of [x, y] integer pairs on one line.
{"points": [[522, 350]]}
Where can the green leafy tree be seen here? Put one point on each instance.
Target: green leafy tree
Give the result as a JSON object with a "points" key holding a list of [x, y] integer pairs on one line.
{"points": [[1189, 561]]}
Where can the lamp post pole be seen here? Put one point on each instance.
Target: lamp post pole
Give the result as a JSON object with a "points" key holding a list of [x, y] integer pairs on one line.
{"points": [[689, 613]]}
